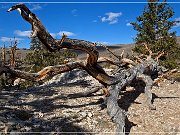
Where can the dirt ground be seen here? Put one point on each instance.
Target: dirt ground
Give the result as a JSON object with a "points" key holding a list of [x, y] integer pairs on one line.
{"points": [[47, 108]]}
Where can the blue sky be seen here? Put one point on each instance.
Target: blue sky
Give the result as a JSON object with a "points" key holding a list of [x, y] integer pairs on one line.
{"points": [[96, 22]]}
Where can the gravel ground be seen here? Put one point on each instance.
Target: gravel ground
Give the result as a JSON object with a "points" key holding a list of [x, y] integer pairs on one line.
{"points": [[47, 108]]}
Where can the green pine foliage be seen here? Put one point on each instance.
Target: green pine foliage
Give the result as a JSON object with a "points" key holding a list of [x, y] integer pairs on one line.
{"points": [[35, 44], [154, 28], [40, 58]]}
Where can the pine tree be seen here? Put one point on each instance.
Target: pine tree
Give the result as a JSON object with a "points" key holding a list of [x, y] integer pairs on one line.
{"points": [[153, 28], [35, 44]]}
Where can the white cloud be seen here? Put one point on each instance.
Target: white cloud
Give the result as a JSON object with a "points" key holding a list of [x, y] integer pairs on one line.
{"points": [[7, 39], [74, 12], [128, 24], [111, 18], [66, 33], [53, 34], [177, 24], [35, 7], [22, 33]]}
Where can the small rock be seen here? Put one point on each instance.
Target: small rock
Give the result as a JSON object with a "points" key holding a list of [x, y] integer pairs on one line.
{"points": [[41, 114], [95, 122], [30, 96], [90, 114], [84, 114], [66, 114], [27, 128]]}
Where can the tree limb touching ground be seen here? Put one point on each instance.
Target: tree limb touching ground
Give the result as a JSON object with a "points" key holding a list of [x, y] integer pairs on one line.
{"points": [[53, 45], [142, 70]]}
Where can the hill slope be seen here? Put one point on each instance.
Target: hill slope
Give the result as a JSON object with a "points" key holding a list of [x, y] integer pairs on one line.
{"points": [[118, 48]]}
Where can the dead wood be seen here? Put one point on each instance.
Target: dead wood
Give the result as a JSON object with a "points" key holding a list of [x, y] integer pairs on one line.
{"points": [[109, 50], [13, 48], [4, 56], [142, 70], [164, 76]]}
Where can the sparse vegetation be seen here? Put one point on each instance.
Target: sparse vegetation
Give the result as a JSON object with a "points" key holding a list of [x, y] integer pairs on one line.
{"points": [[39, 58], [121, 85], [154, 28]]}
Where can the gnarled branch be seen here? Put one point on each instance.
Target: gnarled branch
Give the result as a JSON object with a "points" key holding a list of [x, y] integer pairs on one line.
{"points": [[141, 70]]}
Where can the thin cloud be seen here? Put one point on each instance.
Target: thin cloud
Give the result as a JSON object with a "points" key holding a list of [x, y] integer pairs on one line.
{"points": [[35, 7], [94, 21], [178, 23], [8, 39], [111, 18], [128, 24], [4, 6], [74, 12], [67, 33], [22, 33]]}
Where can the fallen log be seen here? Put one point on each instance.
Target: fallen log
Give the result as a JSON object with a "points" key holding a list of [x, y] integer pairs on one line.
{"points": [[141, 70]]}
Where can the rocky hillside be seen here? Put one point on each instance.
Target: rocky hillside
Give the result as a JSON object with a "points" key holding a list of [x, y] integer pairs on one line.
{"points": [[54, 107]]}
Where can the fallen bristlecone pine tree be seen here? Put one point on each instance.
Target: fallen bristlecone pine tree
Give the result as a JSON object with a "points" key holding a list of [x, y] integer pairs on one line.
{"points": [[144, 68]]}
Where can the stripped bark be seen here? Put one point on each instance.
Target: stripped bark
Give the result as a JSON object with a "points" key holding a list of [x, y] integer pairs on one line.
{"points": [[54, 45], [4, 56], [141, 70]]}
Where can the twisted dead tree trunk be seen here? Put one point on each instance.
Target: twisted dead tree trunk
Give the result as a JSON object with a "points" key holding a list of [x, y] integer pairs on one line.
{"points": [[141, 69], [53, 45], [13, 51]]}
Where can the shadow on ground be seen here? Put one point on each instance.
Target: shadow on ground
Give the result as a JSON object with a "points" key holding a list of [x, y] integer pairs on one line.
{"points": [[20, 118]]}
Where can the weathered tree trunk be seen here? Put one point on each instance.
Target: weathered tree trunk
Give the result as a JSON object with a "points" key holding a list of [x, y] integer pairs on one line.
{"points": [[137, 71], [4, 56], [12, 55], [53, 45]]}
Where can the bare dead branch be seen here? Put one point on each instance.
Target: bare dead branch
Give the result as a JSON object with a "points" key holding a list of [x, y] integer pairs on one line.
{"points": [[164, 76], [43, 74], [147, 48], [128, 61], [13, 51], [52, 45], [122, 54], [62, 39], [159, 55], [119, 57], [149, 84], [4, 56]]}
